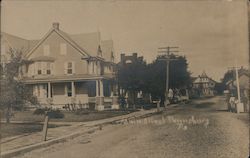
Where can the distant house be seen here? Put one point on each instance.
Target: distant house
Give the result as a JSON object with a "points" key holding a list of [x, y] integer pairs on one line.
{"points": [[69, 69], [231, 85], [203, 85]]}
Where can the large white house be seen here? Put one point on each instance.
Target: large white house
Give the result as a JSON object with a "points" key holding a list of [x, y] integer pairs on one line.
{"points": [[68, 69]]}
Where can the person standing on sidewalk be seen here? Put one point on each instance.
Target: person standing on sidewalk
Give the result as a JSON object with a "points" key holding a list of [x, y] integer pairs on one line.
{"points": [[232, 103]]}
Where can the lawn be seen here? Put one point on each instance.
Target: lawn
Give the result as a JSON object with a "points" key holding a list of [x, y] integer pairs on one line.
{"points": [[13, 129], [69, 116], [34, 123]]}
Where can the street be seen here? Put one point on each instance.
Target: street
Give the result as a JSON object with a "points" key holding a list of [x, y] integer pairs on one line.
{"points": [[201, 128]]}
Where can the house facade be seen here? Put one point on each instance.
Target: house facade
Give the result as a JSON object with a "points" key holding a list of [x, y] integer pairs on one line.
{"points": [[203, 85], [63, 69], [244, 77]]}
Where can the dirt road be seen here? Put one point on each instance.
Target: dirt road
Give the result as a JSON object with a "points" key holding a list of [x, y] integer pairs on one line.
{"points": [[202, 128]]}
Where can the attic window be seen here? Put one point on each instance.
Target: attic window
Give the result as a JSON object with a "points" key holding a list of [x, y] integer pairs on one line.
{"points": [[63, 49], [46, 50]]}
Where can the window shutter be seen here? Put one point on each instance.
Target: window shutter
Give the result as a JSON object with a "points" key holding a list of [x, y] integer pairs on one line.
{"points": [[52, 68], [65, 67], [73, 67]]}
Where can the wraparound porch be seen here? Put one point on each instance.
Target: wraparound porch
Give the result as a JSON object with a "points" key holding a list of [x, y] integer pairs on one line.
{"points": [[96, 94]]}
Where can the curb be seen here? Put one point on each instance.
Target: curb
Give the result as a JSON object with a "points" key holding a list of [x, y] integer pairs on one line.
{"points": [[22, 150]]}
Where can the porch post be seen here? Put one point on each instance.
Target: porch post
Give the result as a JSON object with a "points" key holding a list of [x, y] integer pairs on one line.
{"points": [[96, 88], [73, 89], [49, 90], [99, 96], [101, 88]]}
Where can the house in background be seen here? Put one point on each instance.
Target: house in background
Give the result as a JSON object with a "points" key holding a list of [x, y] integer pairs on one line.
{"points": [[203, 86], [231, 86], [71, 69]]}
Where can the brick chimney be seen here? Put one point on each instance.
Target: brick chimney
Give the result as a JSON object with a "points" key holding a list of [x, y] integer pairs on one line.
{"points": [[55, 25]]}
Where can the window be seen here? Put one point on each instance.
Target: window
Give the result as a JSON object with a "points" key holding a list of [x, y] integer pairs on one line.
{"points": [[48, 69], [70, 68], [69, 90], [46, 50], [39, 68], [63, 49]]}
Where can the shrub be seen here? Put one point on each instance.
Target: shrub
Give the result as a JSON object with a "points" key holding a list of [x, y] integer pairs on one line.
{"points": [[55, 114], [39, 111], [50, 112]]}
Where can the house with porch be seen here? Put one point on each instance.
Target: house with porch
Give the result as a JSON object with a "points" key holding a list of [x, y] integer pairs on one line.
{"points": [[63, 69], [203, 86]]}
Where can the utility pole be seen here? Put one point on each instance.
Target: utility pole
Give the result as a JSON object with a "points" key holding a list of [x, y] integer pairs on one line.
{"points": [[239, 105], [237, 81], [166, 52]]}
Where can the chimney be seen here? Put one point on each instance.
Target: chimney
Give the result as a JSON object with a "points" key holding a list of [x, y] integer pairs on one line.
{"points": [[56, 25]]}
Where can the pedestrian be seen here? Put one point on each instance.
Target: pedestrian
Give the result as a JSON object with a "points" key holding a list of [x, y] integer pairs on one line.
{"points": [[232, 103]]}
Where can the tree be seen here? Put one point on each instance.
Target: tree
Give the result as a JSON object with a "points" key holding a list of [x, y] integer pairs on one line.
{"points": [[14, 94], [179, 76], [130, 77]]}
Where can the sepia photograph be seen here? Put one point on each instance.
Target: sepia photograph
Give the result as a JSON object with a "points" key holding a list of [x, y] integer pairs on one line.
{"points": [[124, 79]]}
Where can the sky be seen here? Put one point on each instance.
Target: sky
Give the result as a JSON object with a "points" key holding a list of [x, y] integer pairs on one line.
{"points": [[212, 34]]}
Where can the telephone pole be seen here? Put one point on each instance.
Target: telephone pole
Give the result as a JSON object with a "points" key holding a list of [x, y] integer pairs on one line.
{"points": [[237, 81], [166, 52]]}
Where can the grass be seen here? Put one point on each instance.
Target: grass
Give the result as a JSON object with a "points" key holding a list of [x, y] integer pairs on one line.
{"points": [[68, 116], [89, 116], [14, 129], [35, 122]]}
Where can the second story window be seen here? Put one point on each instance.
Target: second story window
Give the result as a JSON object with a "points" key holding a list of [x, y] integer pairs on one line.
{"points": [[39, 68], [48, 68], [46, 50], [69, 67]]}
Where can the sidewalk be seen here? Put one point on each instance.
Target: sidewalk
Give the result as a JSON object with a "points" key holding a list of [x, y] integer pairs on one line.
{"points": [[17, 142]]}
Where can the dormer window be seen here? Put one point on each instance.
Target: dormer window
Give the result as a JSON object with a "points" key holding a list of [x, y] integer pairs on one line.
{"points": [[46, 50]]}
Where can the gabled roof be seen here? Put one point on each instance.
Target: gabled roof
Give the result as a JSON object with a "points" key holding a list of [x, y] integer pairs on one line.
{"points": [[64, 36], [241, 73], [15, 42], [107, 50], [88, 44], [200, 77]]}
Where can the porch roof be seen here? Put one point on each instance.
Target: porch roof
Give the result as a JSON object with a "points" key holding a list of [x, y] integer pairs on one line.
{"points": [[64, 78]]}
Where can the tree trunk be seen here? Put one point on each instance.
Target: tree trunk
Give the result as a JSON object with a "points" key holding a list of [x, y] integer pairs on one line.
{"points": [[7, 115], [134, 100]]}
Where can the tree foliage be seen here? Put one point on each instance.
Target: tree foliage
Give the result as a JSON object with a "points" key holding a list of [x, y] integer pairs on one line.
{"points": [[14, 94], [151, 78], [179, 76]]}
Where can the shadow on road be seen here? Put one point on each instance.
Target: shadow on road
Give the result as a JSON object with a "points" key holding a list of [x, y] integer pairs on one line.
{"points": [[204, 105]]}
